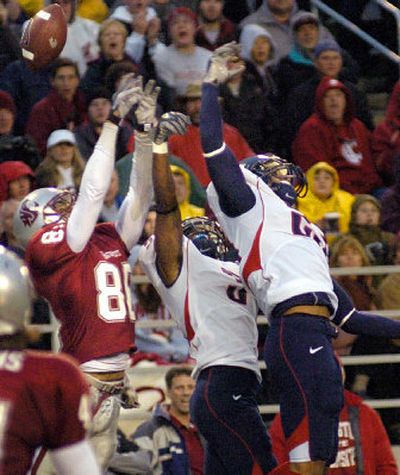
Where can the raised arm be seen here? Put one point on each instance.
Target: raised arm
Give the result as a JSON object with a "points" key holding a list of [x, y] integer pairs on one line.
{"points": [[132, 214], [168, 233], [97, 175], [234, 194]]}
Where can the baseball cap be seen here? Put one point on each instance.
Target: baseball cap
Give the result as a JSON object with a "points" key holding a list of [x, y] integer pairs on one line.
{"points": [[327, 45], [181, 11], [59, 136], [303, 18]]}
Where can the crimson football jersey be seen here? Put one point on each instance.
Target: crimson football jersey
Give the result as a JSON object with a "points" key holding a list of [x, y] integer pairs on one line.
{"points": [[88, 291], [44, 401]]}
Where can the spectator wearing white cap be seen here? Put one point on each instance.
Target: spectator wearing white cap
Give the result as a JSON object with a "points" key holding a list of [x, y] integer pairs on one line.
{"points": [[62, 166]]}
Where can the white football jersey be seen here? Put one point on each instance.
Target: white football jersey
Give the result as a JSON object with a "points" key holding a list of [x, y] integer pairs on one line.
{"points": [[211, 306], [283, 254]]}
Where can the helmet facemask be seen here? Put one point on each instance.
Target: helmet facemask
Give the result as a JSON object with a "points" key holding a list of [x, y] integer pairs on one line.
{"points": [[207, 235], [284, 178]]}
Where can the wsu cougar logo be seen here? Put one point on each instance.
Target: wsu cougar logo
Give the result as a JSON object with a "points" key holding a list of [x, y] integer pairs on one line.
{"points": [[28, 212]]}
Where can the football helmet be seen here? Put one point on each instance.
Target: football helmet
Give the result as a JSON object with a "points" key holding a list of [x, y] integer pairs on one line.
{"points": [[284, 178], [41, 207], [207, 235], [16, 293]]}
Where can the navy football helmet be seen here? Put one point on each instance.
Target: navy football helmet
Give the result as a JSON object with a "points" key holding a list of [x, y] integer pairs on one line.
{"points": [[207, 235], [284, 178]]}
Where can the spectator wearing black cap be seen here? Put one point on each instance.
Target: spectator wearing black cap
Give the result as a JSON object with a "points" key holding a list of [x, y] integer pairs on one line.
{"points": [[328, 61], [87, 134]]}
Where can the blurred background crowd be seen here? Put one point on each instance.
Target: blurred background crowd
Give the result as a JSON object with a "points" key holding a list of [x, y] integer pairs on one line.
{"points": [[304, 94]]}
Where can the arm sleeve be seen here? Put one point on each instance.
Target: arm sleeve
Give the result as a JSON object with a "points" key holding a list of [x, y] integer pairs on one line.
{"points": [[133, 211], [95, 182], [75, 459], [234, 194], [360, 323]]}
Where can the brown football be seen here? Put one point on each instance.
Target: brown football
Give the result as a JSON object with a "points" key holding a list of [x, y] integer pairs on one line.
{"points": [[44, 36]]}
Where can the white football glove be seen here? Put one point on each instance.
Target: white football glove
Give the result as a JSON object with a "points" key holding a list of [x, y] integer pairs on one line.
{"points": [[129, 92], [146, 110], [218, 69], [171, 123]]}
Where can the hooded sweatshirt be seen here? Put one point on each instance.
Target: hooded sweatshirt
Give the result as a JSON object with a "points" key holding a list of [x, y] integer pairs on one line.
{"points": [[346, 147], [386, 138], [380, 244], [280, 32], [262, 73], [187, 209], [340, 201]]}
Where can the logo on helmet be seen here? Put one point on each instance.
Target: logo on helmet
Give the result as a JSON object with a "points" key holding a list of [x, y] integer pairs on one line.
{"points": [[28, 212]]}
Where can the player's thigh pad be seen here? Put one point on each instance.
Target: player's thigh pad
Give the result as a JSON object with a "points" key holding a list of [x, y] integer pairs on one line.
{"points": [[299, 355]]}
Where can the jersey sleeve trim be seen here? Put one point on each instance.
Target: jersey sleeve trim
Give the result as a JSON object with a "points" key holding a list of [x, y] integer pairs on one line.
{"points": [[346, 318], [215, 152]]}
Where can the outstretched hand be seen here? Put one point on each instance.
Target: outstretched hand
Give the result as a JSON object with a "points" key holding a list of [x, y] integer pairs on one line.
{"points": [[128, 94], [171, 123], [145, 112], [222, 64]]}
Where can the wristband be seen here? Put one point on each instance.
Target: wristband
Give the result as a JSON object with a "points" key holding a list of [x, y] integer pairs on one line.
{"points": [[114, 119], [160, 148], [143, 127]]}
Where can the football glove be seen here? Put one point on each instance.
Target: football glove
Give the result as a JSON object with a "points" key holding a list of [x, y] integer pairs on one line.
{"points": [[128, 94], [171, 123], [219, 70], [145, 113]]}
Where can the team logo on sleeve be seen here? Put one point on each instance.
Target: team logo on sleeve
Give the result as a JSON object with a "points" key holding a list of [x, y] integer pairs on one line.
{"points": [[29, 212]]}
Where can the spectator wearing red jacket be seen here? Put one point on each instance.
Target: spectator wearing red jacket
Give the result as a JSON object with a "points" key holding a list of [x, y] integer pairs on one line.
{"points": [[386, 138], [63, 108], [188, 146], [363, 441], [334, 135]]}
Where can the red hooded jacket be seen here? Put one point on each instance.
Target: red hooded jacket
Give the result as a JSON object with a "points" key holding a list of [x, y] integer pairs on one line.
{"points": [[361, 435], [346, 147], [386, 138]]}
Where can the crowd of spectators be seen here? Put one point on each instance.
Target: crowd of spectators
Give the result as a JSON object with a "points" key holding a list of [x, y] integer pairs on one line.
{"points": [[299, 96]]}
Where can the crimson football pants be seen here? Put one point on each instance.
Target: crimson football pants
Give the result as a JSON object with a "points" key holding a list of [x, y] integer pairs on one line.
{"points": [[224, 409], [299, 355]]}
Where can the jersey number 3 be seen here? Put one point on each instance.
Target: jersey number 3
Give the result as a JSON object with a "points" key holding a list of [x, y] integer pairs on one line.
{"points": [[114, 300]]}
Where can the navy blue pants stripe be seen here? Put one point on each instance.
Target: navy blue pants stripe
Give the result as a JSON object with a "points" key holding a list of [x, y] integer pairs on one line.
{"points": [[299, 355], [224, 409]]}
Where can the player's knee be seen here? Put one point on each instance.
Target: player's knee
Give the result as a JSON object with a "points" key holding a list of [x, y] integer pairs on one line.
{"points": [[309, 468]]}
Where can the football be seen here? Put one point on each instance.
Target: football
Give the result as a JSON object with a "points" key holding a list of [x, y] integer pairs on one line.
{"points": [[44, 36]]}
